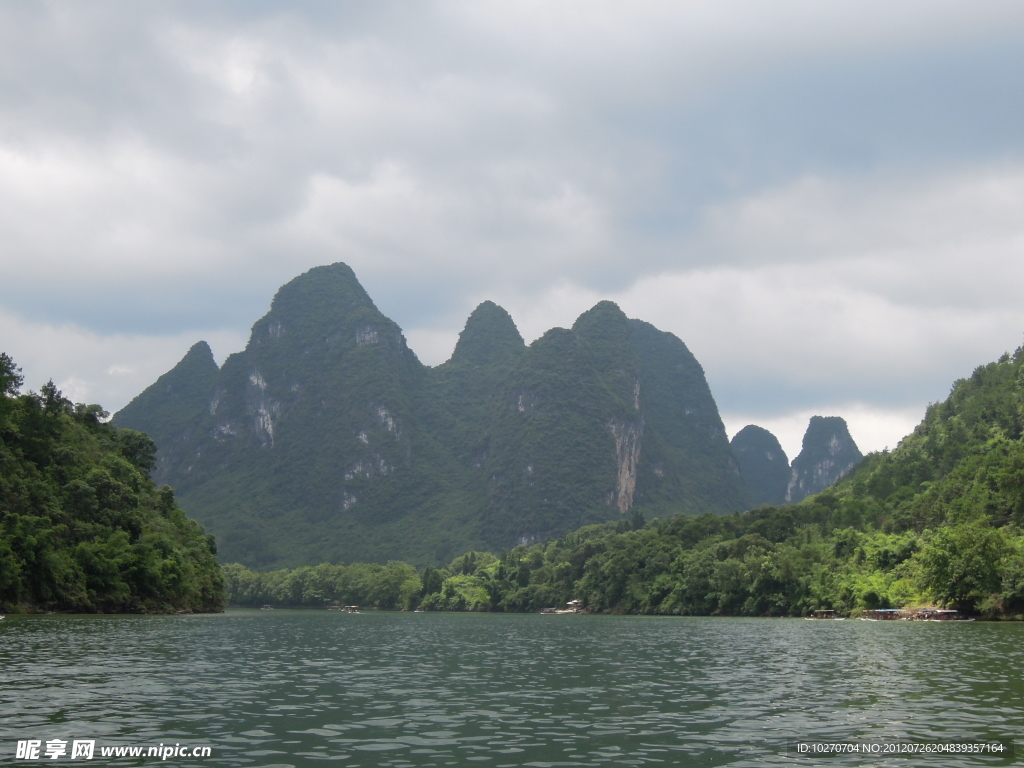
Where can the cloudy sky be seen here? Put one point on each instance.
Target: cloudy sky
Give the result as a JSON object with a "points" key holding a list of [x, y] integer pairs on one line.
{"points": [[825, 201]]}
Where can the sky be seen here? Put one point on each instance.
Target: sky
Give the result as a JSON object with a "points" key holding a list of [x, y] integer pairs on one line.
{"points": [[825, 201]]}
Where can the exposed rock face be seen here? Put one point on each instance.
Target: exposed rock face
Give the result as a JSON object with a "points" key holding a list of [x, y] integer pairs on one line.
{"points": [[327, 440], [828, 453], [608, 416], [627, 456], [763, 465]]}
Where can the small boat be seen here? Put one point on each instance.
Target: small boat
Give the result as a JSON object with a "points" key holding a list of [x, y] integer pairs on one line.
{"points": [[925, 613], [824, 614], [267, 608], [573, 606], [884, 614], [351, 609], [333, 607], [930, 613]]}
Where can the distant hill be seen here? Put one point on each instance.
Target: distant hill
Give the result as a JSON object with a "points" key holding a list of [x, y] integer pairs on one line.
{"points": [[763, 465], [327, 440], [828, 453]]}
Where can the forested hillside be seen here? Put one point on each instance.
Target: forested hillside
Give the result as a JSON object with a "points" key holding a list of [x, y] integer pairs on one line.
{"points": [[937, 520], [82, 527]]}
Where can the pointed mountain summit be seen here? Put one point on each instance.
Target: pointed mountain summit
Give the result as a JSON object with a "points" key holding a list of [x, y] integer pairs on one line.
{"points": [[326, 439], [322, 312], [763, 465], [605, 329], [466, 391], [169, 408], [490, 337], [827, 454], [600, 419], [322, 297], [299, 425]]}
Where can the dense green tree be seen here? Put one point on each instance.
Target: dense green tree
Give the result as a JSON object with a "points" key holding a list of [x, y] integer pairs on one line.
{"points": [[962, 565], [10, 376], [82, 526]]}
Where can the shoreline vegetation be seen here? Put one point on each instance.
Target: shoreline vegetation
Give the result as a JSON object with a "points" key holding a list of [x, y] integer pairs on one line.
{"points": [[705, 566], [937, 521], [82, 527]]}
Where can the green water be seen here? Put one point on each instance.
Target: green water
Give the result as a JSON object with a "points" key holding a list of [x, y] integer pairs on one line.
{"points": [[277, 688]]}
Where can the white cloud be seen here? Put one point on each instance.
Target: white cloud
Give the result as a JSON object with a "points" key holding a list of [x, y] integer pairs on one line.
{"points": [[84, 214], [896, 220], [90, 367], [872, 428]]}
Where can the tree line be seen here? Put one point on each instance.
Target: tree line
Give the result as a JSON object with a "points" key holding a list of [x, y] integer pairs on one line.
{"points": [[769, 562], [939, 520]]}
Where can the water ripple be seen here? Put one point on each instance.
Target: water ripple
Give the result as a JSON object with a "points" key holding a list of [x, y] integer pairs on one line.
{"points": [[395, 690]]}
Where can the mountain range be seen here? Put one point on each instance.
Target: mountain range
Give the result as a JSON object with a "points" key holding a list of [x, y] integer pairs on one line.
{"points": [[326, 439]]}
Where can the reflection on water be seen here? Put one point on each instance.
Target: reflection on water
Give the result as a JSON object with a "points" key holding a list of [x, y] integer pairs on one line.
{"points": [[278, 688]]}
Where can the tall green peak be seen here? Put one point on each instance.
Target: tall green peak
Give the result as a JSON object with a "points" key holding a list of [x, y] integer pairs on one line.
{"points": [[686, 462], [490, 336], [320, 303], [198, 358], [604, 328], [600, 319], [828, 453], [325, 289], [763, 465], [165, 408]]}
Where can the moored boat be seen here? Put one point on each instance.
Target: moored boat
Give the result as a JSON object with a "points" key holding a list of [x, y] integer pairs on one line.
{"points": [[573, 606], [926, 613], [935, 614], [882, 614]]}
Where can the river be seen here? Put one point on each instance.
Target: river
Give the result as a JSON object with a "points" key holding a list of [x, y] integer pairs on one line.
{"points": [[391, 690]]}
